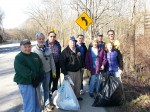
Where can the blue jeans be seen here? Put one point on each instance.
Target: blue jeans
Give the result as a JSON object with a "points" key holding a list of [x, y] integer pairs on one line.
{"points": [[46, 89], [95, 82], [29, 96], [116, 74]]}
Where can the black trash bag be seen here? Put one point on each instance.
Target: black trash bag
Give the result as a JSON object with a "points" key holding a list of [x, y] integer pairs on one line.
{"points": [[101, 101], [111, 94]]}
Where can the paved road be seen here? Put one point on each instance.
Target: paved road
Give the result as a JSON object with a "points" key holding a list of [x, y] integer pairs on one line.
{"points": [[10, 98]]}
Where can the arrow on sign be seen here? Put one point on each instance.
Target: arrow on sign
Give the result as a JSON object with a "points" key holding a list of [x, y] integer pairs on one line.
{"points": [[83, 19]]}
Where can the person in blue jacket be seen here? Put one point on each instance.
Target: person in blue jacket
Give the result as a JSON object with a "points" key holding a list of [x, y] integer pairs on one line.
{"points": [[83, 49], [114, 61]]}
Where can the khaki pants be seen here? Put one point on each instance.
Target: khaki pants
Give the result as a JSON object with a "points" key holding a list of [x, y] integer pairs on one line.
{"points": [[76, 78]]}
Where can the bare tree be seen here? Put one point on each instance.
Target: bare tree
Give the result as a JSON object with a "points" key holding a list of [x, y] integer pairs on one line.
{"points": [[132, 36], [102, 12], [1, 25], [41, 16]]}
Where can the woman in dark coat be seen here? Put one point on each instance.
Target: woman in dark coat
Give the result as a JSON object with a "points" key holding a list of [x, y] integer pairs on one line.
{"points": [[95, 62]]}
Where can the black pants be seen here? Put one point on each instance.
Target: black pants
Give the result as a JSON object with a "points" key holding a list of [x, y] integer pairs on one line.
{"points": [[81, 80], [55, 80]]}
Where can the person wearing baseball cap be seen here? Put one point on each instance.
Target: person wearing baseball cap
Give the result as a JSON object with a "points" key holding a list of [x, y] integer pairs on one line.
{"points": [[24, 42], [29, 73], [71, 64], [101, 43]]}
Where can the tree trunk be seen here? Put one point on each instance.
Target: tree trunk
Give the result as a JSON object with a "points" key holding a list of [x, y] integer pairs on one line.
{"points": [[132, 48]]}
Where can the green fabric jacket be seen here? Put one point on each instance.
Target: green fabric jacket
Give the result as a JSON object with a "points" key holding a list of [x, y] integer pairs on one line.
{"points": [[27, 66]]}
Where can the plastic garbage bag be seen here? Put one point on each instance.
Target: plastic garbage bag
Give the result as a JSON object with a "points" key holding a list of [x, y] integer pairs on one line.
{"points": [[111, 94], [86, 73], [65, 98]]}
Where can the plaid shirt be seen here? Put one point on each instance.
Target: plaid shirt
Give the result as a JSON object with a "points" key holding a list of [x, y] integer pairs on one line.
{"points": [[55, 51]]}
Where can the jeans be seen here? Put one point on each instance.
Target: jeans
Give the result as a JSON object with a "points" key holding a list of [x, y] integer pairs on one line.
{"points": [[116, 74], [95, 82], [29, 96], [81, 80], [45, 86]]}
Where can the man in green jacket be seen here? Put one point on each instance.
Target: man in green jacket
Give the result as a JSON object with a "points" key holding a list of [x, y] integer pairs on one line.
{"points": [[29, 73]]}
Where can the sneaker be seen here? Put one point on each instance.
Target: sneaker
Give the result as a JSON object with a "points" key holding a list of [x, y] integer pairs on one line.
{"points": [[91, 95], [81, 92], [49, 108], [80, 98]]}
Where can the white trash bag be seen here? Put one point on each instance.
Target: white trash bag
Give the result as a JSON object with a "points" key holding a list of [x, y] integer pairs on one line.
{"points": [[65, 98]]}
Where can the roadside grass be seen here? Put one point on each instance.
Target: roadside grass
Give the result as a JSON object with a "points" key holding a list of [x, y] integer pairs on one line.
{"points": [[137, 95], [141, 104]]}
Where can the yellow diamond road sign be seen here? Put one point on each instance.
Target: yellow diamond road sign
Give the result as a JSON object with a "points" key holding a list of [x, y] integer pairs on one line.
{"points": [[84, 21]]}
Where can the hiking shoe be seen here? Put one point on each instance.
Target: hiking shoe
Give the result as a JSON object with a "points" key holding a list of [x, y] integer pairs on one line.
{"points": [[91, 95], [81, 92], [80, 99], [49, 108]]}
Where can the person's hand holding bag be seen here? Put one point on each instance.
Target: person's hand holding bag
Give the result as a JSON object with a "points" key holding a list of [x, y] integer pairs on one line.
{"points": [[66, 77], [54, 75]]}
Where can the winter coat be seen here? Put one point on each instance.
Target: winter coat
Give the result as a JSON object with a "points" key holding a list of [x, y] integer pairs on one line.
{"points": [[70, 61], [100, 45], [27, 66], [46, 57], [84, 53], [56, 43], [100, 60], [114, 61]]}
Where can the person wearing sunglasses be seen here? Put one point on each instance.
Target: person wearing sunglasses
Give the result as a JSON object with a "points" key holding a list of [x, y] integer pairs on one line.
{"points": [[116, 47], [111, 35], [55, 47]]}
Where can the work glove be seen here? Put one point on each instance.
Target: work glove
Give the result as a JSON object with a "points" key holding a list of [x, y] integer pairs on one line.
{"points": [[54, 75], [66, 77], [38, 79]]}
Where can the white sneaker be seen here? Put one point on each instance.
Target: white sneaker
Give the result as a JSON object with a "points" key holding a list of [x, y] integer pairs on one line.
{"points": [[81, 92], [49, 108]]}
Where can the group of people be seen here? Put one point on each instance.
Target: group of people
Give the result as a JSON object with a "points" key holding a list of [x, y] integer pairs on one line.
{"points": [[42, 64], [103, 59]]}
